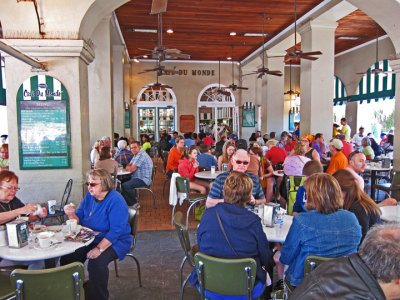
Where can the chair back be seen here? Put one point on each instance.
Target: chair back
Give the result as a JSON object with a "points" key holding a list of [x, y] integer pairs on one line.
{"points": [[61, 283], [231, 277], [293, 183], [153, 174], [67, 193], [183, 236], [133, 222], [182, 185], [201, 169], [313, 261], [395, 179]]}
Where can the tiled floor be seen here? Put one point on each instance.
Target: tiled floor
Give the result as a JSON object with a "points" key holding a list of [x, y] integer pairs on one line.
{"points": [[160, 218]]}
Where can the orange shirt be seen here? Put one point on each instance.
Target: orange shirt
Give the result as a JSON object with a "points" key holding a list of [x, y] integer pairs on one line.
{"points": [[173, 159], [338, 161]]}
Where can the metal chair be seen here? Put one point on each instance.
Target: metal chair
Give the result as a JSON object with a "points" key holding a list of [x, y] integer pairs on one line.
{"points": [[183, 186], [313, 261], [133, 222], [189, 250], [59, 283], [148, 187], [201, 169], [232, 277], [393, 187], [59, 213], [6, 290]]}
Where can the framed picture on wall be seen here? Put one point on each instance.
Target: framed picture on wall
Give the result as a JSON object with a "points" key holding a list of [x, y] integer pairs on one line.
{"points": [[248, 115]]}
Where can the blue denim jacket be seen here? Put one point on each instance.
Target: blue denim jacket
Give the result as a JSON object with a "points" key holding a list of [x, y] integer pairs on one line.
{"points": [[312, 233]]}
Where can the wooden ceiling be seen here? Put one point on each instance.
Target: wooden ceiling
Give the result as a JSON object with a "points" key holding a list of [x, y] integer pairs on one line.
{"points": [[201, 27]]}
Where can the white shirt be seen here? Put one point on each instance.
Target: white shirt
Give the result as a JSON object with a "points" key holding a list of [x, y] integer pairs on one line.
{"points": [[357, 138]]}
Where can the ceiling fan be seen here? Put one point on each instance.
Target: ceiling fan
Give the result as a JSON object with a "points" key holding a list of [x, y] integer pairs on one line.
{"points": [[234, 86], [295, 54], [219, 90], [161, 52], [376, 71], [290, 92], [161, 70], [263, 71], [158, 85]]}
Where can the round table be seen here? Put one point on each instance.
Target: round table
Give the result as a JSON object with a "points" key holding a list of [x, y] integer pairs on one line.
{"points": [[29, 252], [275, 234], [390, 213], [207, 175]]}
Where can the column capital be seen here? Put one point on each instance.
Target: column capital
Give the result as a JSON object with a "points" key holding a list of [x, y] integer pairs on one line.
{"points": [[395, 63], [317, 24], [54, 48]]}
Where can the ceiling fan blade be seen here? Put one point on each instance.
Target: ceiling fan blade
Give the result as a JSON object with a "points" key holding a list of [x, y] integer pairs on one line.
{"points": [[275, 73], [143, 49], [312, 53], [261, 75], [166, 86], [308, 57], [170, 71], [252, 73]]}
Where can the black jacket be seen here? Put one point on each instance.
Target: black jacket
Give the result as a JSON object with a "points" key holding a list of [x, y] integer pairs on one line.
{"points": [[341, 278]]}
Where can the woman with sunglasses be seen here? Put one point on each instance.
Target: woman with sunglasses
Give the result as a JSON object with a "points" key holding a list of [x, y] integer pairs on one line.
{"points": [[105, 211]]}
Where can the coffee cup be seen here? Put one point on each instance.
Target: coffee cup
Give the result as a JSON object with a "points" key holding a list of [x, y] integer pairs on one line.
{"points": [[51, 204], [212, 169], [45, 239], [72, 224]]}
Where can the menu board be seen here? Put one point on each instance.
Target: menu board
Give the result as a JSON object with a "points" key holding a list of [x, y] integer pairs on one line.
{"points": [[44, 138]]}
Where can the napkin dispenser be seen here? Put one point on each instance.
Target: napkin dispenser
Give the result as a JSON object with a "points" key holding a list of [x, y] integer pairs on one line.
{"points": [[17, 233], [270, 210], [386, 162]]}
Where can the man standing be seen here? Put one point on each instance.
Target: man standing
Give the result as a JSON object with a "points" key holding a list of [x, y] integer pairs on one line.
{"points": [[220, 144], [240, 162], [141, 167], [346, 130], [338, 160], [357, 138], [372, 273]]}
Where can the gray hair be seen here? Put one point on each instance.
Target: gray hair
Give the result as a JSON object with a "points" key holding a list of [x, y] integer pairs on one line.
{"points": [[107, 182], [122, 144], [380, 251], [240, 151]]}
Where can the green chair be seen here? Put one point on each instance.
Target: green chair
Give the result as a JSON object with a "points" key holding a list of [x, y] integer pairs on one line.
{"points": [[233, 277], [313, 261], [189, 250], [183, 186], [61, 283], [133, 222], [6, 290], [148, 187]]}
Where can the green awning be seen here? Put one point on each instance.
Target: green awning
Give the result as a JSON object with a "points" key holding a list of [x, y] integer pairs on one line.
{"points": [[2, 89]]}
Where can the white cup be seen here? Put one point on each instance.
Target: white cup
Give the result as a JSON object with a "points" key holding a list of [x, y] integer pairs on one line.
{"points": [[51, 204], [72, 224], [212, 169], [45, 239], [3, 236]]}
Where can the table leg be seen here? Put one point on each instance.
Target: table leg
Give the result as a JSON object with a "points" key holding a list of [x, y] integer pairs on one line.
{"points": [[373, 179]]}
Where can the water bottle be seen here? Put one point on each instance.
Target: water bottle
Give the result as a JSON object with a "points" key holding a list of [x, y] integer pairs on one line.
{"points": [[278, 222]]}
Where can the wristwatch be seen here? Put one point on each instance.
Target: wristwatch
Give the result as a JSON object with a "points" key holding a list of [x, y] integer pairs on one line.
{"points": [[101, 250]]}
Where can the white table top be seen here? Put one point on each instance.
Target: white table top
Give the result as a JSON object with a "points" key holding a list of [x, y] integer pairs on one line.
{"points": [[207, 175], [279, 173], [278, 234], [123, 172], [33, 252], [368, 167], [390, 213]]}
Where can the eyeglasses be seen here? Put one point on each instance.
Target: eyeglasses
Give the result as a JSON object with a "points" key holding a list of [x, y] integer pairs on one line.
{"points": [[91, 184], [239, 162], [10, 188]]}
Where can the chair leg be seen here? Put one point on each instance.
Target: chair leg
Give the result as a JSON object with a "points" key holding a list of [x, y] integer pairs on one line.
{"points": [[116, 268], [181, 269], [172, 218], [154, 199], [138, 267], [183, 286]]}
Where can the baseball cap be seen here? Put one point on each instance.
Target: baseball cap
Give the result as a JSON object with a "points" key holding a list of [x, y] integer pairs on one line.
{"points": [[241, 144], [233, 137], [336, 143]]}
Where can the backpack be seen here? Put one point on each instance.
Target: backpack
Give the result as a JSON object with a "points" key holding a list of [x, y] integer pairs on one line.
{"points": [[293, 184]]}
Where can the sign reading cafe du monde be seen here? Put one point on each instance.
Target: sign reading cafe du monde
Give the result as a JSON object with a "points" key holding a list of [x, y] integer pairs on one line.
{"points": [[43, 124]]}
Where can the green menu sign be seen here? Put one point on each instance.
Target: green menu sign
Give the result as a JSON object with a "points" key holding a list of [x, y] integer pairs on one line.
{"points": [[43, 124]]}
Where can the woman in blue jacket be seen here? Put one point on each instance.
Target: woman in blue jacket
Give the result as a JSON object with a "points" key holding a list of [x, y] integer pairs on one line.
{"points": [[325, 230], [104, 210], [243, 228]]}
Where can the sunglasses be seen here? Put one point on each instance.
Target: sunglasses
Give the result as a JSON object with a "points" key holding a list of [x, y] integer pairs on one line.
{"points": [[91, 184], [239, 162]]}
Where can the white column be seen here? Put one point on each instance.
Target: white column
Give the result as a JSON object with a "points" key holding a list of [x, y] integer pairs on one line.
{"points": [[118, 87], [317, 78], [272, 94], [395, 65], [100, 95], [127, 94]]}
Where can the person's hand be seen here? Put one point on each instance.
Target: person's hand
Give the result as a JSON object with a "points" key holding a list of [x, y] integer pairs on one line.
{"points": [[69, 210], [388, 202], [28, 209], [44, 213], [252, 200], [93, 254], [195, 164]]}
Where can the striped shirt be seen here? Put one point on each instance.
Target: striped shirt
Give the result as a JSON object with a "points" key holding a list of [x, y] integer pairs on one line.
{"points": [[144, 166]]}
